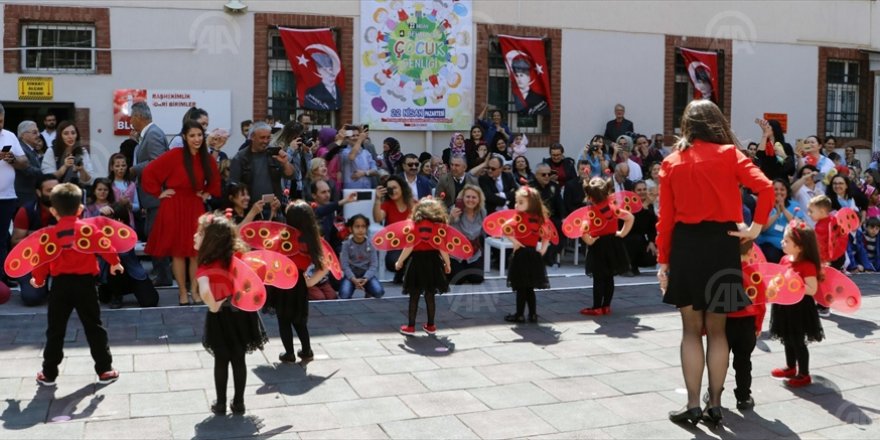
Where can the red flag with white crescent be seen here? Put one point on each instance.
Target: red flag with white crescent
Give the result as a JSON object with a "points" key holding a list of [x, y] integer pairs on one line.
{"points": [[317, 67], [702, 68], [526, 64]]}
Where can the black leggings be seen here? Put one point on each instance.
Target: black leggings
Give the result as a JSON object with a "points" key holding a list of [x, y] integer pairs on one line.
{"points": [[430, 305], [524, 296], [797, 355], [603, 290], [286, 327], [221, 377]]}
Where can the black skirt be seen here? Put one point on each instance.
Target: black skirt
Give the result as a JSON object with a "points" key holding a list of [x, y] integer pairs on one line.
{"points": [[233, 332], [527, 270], [289, 304], [424, 273], [796, 322], [607, 257], [704, 268]]}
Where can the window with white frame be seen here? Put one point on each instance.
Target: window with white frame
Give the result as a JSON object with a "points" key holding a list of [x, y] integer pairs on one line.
{"points": [[842, 115], [501, 94], [282, 88], [68, 47]]}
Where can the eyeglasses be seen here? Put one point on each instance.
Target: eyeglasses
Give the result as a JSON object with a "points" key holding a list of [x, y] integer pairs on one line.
{"points": [[413, 165], [543, 174], [491, 168]]}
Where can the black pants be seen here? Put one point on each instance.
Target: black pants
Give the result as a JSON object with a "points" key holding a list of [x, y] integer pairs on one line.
{"points": [[430, 306], [603, 291], [119, 285], [221, 377], [523, 297], [295, 319], [797, 355], [637, 249], [466, 273], [161, 265], [741, 338], [68, 293], [390, 259]]}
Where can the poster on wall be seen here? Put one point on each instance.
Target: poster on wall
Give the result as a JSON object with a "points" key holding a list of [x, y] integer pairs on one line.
{"points": [[702, 68], [526, 64], [169, 106], [316, 65], [416, 65]]}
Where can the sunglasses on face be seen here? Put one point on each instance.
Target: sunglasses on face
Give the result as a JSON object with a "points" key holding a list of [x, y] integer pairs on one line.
{"points": [[543, 174], [412, 165]]}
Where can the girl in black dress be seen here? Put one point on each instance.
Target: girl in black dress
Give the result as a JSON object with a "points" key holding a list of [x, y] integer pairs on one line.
{"points": [[230, 332], [527, 270]]}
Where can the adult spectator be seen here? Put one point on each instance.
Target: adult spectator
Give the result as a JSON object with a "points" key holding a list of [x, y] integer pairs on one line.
{"points": [[622, 153], [451, 185], [237, 198], [752, 152], [573, 195], [126, 148], [564, 166], [30, 217], [217, 139], [522, 170], [829, 145], [26, 178], [640, 242], [67, 158], [426, 170], [551, 194], [418, 184], [359, 261], [806, 186], [596, 153], [812, 155], [842, 194], [470, 145], [775, 156], [653, 179], [246, 132], [467, 216], [456, 147], [494, 125], [499, 146], [785, 209], [49, 132], [358, 165], [849, 156], [318, 171], [393, 203], [183, 179], [644, 155], [305, 119], [259, 169], [327, 210], [620, 179], [196, 114], [290, 139], [619, 125], [391, 156], [498, 187], [152, 145]]}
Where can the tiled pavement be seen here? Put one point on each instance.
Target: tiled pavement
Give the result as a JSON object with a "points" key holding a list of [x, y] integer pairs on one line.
{"points": [[566, 377]]}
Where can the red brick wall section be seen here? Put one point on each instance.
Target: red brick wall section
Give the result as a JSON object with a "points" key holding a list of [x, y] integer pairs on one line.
{"points": [[82, 123], [16, 15], [866, 94], [486, 30], [696, 43], [264, 22]]}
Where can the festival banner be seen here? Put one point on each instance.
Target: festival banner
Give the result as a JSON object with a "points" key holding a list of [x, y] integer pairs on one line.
{"points": [[315, 63], [416, 69], [169, 106], [702, 68], [526, 64]]}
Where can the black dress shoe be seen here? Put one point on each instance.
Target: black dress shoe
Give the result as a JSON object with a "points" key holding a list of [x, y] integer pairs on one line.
{"points": [[219, 408], [690, 415], [306, 357], [712, 416], [515, 318], [745, 405], [287, 357], [533, 318], [237, 408]]}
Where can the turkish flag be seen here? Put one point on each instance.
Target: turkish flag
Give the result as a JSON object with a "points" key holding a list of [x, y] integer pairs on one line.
{"points": [[526, 64], [316, 65], [702, 68]]}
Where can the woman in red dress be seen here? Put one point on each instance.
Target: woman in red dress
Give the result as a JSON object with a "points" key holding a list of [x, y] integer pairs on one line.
{"points": [[182, 178]]}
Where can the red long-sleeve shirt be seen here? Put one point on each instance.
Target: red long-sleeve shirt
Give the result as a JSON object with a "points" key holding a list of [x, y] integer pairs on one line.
{"points": [[701, 183], [71, 261]]}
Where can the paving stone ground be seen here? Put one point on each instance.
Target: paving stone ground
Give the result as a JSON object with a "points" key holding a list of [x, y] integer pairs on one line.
{"points": [[568, 376]]}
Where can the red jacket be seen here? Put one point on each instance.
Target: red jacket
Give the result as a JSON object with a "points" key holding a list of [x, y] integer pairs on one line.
{"points": [[70, 261]]}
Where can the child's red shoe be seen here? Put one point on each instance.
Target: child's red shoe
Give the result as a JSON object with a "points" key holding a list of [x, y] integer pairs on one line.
{"points": [[408, 330], [783, 372], [44, 381], [606, 310], [429, 329], [589, 311], [798, 381], [108, 377]]}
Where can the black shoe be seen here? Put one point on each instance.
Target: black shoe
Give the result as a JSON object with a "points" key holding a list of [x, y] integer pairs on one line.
{"points": [[690, 415], [237, 408], [159, 282], [533, 318], [219, 408], [306, 357], [287, 357], [628, 274], [712, 417], [10, 283], [116, 302], [745, 405], [515, 318]]}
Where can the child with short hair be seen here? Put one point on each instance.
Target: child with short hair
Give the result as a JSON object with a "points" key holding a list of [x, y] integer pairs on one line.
{"points": [[743, 328], [831, 250], [73, 288], [360, 261], [872, 230]]}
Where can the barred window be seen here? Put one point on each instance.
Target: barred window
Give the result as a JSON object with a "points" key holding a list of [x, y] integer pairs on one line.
{"points": [[683, 91], [282, 87], [58, 48], [842, 115], [501, 94]]}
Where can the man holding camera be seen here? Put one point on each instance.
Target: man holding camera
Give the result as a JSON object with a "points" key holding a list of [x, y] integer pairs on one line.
{"points": [[358, 164], [261, 168]]}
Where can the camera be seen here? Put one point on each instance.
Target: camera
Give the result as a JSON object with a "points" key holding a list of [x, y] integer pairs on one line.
{"points": [[78, 161]]}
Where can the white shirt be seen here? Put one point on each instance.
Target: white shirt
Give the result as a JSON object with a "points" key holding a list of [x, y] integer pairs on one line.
{"points": [[413, 186], [49, 137], [499, 183], [635, 170], [7, 172], [803, 196]]}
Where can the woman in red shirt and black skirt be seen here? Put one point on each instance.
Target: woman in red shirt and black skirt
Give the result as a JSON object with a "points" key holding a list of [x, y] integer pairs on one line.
{"points": [[699, 230]]}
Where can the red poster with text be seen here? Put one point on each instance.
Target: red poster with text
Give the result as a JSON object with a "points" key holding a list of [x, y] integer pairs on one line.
{"points": [[122, 101], [316, 65]]}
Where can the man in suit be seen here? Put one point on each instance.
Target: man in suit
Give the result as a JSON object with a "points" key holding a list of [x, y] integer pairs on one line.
{"points": [[452, 183], [573, 196], [620, 179], [152, 144], [497, 186], [551, 195], [26, 178], [619, 125], [420, 185]]}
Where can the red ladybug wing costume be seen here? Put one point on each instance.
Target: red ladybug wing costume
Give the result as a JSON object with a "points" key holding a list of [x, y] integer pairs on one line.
{"points": [[601, 218], [435, 235], [283, 239], [836, 290], [772, 283], [527, 229], [237, 282], [273, 268]]}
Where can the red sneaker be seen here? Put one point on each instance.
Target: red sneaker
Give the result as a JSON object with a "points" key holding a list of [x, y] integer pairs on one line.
{"points": [[783, 372], [108, 377], [429, 329], [606, 310], [589, 311], [798, 381], [407, 330], [44, 381]]}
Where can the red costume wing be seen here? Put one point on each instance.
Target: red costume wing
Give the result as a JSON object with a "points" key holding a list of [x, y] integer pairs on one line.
{"points": [[35, 250], [249, 292], [494, 223], [271, 236], [773, 283], [580, 221], [755, 255], [272, 268], [549, 231], [847, 220], [626, 200], [101, 234], [331, 261], [448, 239], [838, 291], [395, 236]]}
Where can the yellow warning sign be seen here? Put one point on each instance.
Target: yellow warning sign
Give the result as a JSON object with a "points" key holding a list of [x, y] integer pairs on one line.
{"points": [[35, 88]]}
